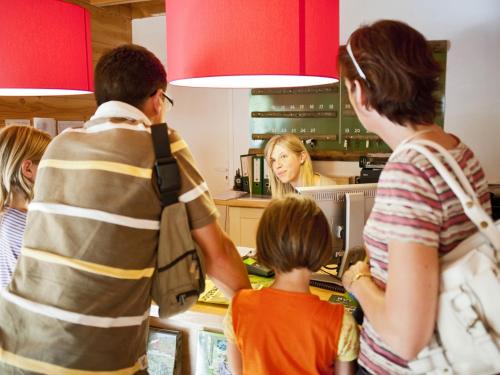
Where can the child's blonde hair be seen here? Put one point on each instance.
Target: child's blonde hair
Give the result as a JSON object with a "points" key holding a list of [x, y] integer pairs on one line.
{"points": [[295, 145], [18, 143], [293, 233]]}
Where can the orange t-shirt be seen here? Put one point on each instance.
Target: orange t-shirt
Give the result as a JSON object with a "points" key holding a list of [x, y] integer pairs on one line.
{"points": [[279, 332]]}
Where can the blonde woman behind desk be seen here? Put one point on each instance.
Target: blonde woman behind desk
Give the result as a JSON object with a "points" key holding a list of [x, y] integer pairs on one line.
{"points": [[290, 166]]}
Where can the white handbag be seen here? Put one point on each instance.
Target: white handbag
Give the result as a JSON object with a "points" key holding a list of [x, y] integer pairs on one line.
{"points": [[467, 334]]}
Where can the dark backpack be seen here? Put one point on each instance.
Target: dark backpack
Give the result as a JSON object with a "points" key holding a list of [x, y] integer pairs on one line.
{"points": [[179, 276]]}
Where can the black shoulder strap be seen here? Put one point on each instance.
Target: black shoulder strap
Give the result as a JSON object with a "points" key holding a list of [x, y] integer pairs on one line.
{"points": [[166, 168]]}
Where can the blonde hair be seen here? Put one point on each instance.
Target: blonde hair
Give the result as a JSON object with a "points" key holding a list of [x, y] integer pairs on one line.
{"points": [[18, 143], [295, 145], [293, 233]]}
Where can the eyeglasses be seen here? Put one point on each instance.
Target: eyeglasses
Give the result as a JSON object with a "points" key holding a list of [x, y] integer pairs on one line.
{"points": [[165, 96], [356, 65], [170, 101]]}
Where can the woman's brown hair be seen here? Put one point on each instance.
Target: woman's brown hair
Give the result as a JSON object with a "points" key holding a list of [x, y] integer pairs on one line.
{"points": [[401, 73], [293, 233]]}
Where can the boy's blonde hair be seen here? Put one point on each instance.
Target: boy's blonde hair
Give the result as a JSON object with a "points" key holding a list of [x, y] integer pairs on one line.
{"points": [[18, 143], [293, 233], [295, 145]]}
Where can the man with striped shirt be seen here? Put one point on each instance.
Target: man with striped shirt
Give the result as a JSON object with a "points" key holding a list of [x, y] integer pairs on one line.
{"points": [[79, 300]]}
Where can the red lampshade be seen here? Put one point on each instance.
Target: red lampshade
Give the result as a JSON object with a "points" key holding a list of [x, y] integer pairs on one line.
{"points": [[45, 48], [252, 43]]}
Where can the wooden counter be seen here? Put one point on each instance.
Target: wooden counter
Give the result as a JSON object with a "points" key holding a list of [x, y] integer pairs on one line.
{"points": [[250, 202], [202, 317], [240, 218]]}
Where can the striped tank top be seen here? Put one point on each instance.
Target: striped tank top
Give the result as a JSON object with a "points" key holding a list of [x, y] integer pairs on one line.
{"points": [[413, 201], [12, 223]]}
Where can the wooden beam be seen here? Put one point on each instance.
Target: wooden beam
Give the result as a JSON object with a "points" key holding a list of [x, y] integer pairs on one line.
{"points": [[105, 3], [129, 8], [72, 107], [148, 9], [123, 11]]}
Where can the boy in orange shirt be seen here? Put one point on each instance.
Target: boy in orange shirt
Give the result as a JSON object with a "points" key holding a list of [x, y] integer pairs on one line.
{"points": [[284, 329]]}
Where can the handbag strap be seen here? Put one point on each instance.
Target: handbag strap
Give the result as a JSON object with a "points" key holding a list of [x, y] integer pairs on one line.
{"points": [[166, 168], [459, 184]]}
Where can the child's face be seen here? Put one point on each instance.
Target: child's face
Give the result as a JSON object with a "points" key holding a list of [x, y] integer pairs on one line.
{"points": [[286, 165]]}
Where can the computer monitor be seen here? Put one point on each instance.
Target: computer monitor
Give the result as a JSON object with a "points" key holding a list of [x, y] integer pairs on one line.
{"points": [[346, 208]]}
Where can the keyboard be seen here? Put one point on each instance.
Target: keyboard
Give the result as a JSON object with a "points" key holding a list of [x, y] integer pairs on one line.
{"points": [[328, 282]]}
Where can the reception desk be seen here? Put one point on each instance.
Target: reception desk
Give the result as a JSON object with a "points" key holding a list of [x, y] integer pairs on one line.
{"points": [[199, 318]]}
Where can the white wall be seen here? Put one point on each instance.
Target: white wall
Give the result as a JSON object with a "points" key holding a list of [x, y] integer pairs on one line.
{"points": [[472, 109], [215, 122]]}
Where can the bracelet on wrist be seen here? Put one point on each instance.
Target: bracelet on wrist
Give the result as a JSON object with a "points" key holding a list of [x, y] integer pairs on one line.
{"points": [[359, 275]]}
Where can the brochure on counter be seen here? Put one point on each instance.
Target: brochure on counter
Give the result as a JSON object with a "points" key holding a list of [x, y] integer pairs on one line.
{"points": [[213, 295]]}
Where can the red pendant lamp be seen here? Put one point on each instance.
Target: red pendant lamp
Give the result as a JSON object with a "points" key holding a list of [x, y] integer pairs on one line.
{"points": [[252, 43], [45, 48]]}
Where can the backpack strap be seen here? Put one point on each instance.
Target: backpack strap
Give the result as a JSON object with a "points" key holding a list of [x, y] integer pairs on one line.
{"points": [[460, 185], [166, 168]]}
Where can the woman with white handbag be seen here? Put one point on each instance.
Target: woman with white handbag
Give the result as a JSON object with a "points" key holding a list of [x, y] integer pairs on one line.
{"points": [[391, 77]]}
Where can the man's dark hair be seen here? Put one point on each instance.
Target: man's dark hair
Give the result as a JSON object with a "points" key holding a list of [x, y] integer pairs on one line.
{"points": [[129, 74], [401, 73]]}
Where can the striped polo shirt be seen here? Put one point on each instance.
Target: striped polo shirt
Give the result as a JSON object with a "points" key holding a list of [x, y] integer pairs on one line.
{"points": [[12, 223], [414, 204], [80, 296]]}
